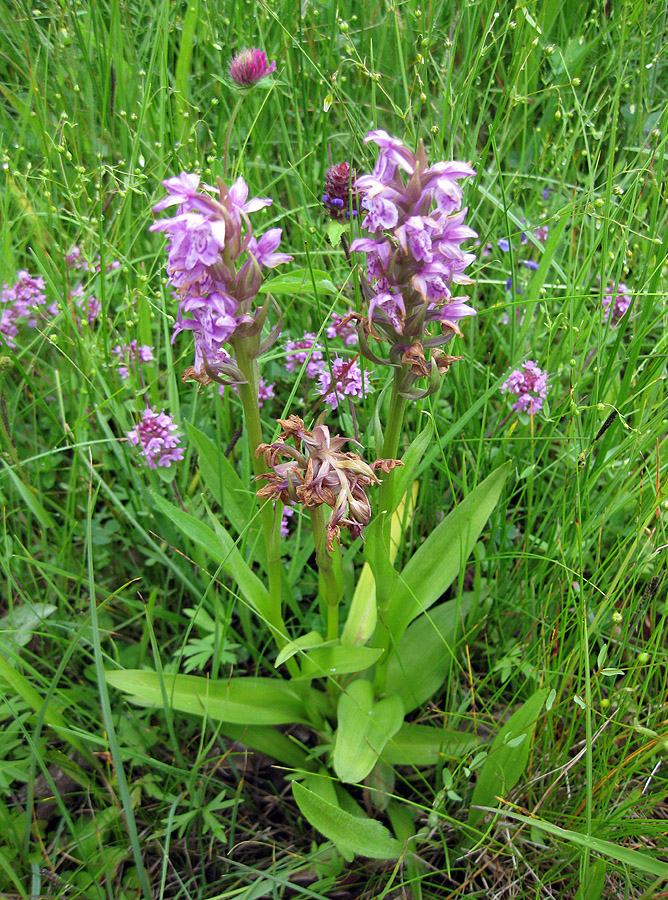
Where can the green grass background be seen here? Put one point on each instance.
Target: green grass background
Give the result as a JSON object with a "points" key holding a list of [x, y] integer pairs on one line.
{"points": [[99, 101]]}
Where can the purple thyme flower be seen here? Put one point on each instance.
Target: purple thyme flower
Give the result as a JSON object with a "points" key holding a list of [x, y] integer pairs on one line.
{"points": [[346, 379], [297, 352], [342, 327], [416, 226], [616, 300], [529, 382], [128, 355], [250, 66], [156, 437]]}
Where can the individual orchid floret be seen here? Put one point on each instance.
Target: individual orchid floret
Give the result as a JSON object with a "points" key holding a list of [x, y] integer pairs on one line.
{"points": [[616, 300], [340, 197], [529, 383], [416, 227], [158, 439], [344, 379], [315, 472], [129, 355], [251, 66]]}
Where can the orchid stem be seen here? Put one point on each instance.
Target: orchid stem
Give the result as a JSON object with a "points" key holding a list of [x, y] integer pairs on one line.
{"points": [[269, 517], [329, 572], [390, 448]]}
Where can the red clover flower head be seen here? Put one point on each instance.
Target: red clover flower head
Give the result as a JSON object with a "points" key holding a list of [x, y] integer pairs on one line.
{"points": [[529, 383], [250, 66], [416, 226], [157, 437], [317, 472]]}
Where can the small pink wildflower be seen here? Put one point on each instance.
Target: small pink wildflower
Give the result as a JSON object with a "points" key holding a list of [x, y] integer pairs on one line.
{"points": [[347, 331], [346, 379], [297, 352], [129, 354], [529, 382], [616, 300], [156, 437]]}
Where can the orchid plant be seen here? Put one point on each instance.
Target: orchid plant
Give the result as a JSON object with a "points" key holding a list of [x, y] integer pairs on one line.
{"points": [[386, 649]]}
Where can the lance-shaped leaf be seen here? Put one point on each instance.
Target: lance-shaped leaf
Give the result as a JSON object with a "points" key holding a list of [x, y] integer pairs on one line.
{"points": [[508, 756], [364, 727], [241, 701], [222, 549], [363, 613], [426, 745], [437, 562], [422, 661], [352, 834]]}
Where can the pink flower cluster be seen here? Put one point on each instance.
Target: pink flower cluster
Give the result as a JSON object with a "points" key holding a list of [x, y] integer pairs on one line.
{"points": [[215, 264], [158, 439], [343, 378], [529, 383], [23, 303]]}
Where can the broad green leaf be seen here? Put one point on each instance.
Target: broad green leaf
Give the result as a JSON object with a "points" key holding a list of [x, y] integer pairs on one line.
{"points": [[271, 742], [422, 661], [222, 549], [351, 834], [635, 859], [322, 662], [437, 562], [242, 701], [364, 727], [363, 614], [220, 477], [305, 642], [335, 230], [426, 745], [505, 764], [403, 476], [300, 281], [17, 627]]}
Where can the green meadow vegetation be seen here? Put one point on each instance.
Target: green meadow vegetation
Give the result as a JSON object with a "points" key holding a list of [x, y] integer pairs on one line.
{"points": [[546, 659]]}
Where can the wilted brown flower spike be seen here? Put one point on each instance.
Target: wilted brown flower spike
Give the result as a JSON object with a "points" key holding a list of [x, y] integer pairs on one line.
{"points": [[316, 471]]}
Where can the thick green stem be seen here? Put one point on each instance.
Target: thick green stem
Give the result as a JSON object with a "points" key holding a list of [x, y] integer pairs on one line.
{"points": [[390, 448], [330, 574], [270, 519]]}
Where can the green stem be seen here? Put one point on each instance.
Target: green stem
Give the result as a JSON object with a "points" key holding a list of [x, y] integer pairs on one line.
{"points": [[392, 436], [269, 517], [330, 574]]}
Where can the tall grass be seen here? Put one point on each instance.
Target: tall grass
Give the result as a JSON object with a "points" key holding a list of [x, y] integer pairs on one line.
{"points": [[561, 109]]}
